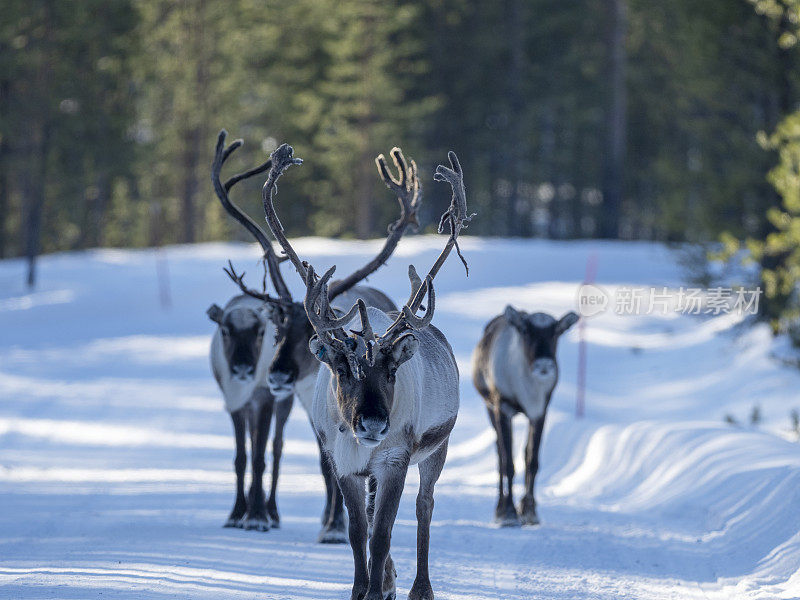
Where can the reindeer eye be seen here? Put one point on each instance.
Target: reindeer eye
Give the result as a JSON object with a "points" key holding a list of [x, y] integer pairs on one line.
{"points": [[225, 331], [341, 371], [392, 376]]}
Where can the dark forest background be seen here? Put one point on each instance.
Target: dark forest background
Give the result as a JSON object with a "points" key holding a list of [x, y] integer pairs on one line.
{"points": [[632, 119]]}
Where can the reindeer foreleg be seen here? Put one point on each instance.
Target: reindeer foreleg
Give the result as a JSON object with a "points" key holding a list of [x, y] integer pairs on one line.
{"points": [[240, 464], [282, 410]]}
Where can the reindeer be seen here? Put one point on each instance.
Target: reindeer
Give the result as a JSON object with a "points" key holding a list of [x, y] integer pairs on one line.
{"points": [[239, 360], [514, 368], [382, 403], [293, 370]]}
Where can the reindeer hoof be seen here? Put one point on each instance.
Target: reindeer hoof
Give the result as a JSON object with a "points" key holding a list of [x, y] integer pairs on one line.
{"points": [[421, 592], [527, 511], [274, 517], [234, 522], [257, 524], [509, 519], [332, 536], [505, 515]]}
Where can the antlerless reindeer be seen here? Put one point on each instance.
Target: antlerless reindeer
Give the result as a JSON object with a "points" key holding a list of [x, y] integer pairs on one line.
{"points": [[382, 402], [292, 370], [514, 368]]}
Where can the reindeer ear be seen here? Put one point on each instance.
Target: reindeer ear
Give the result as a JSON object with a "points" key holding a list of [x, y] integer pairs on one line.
{"points": [[404, 348], [214, 313], [514, 317], [565, 322], [317, 348]]}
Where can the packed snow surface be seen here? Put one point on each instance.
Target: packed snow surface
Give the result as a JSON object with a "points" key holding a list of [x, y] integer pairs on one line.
{"points": [[116, 454]]}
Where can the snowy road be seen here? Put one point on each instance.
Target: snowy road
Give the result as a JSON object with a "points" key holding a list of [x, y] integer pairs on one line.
{"points": [[115, 452]]}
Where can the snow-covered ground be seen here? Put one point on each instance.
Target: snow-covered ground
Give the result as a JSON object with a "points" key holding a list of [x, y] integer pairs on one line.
{"points": [[116, 455]]}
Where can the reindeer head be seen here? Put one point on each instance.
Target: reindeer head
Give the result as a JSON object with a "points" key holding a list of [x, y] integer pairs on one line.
{"points": [[291, 361], [365, 398], [539, 333], [242, 332], [363, 366]]}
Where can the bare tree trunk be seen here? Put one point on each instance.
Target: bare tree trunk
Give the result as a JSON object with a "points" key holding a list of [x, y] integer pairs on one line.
{"points": [[614, 168], [363, 168], [194, 138], [34, 177], [5, 190], [35, 165], [5, 158], [518, 222], [364, 199], [189, 185], [100, 207], [547, 148]]}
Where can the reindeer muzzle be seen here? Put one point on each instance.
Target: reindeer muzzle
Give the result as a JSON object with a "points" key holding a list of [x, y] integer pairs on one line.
{"points": [[371, 431], [280, 384]]}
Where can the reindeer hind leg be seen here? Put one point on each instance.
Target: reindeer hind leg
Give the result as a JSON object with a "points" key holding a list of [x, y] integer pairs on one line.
{"points": [[261, 414], [239, 510], [527, 508]]}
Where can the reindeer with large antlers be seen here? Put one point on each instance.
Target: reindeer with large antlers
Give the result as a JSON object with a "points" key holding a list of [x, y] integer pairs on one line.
{"points": [[241, 351], [383, 402], [293, 370]]}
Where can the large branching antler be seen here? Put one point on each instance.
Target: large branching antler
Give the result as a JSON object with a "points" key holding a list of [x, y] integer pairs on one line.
{"points": [[238, 279], [457, 218], [221, 154], [282, 158], [409, 195], [327, 326]]}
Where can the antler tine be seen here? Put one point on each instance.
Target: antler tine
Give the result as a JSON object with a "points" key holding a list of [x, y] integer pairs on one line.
{"points": [[282, 158], [409, 195], [455, 177], [239, 280], [316, 295], [221, 154], [416, 282], [325, 326], [456, 215], [407, 188], [413, 320], [366, 332]]}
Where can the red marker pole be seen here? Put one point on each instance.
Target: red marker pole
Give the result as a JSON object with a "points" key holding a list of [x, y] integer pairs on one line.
{"points": [[580, 399]]}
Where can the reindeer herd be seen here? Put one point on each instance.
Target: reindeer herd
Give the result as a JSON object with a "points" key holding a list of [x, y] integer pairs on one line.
{"points": [[379, 385]]}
